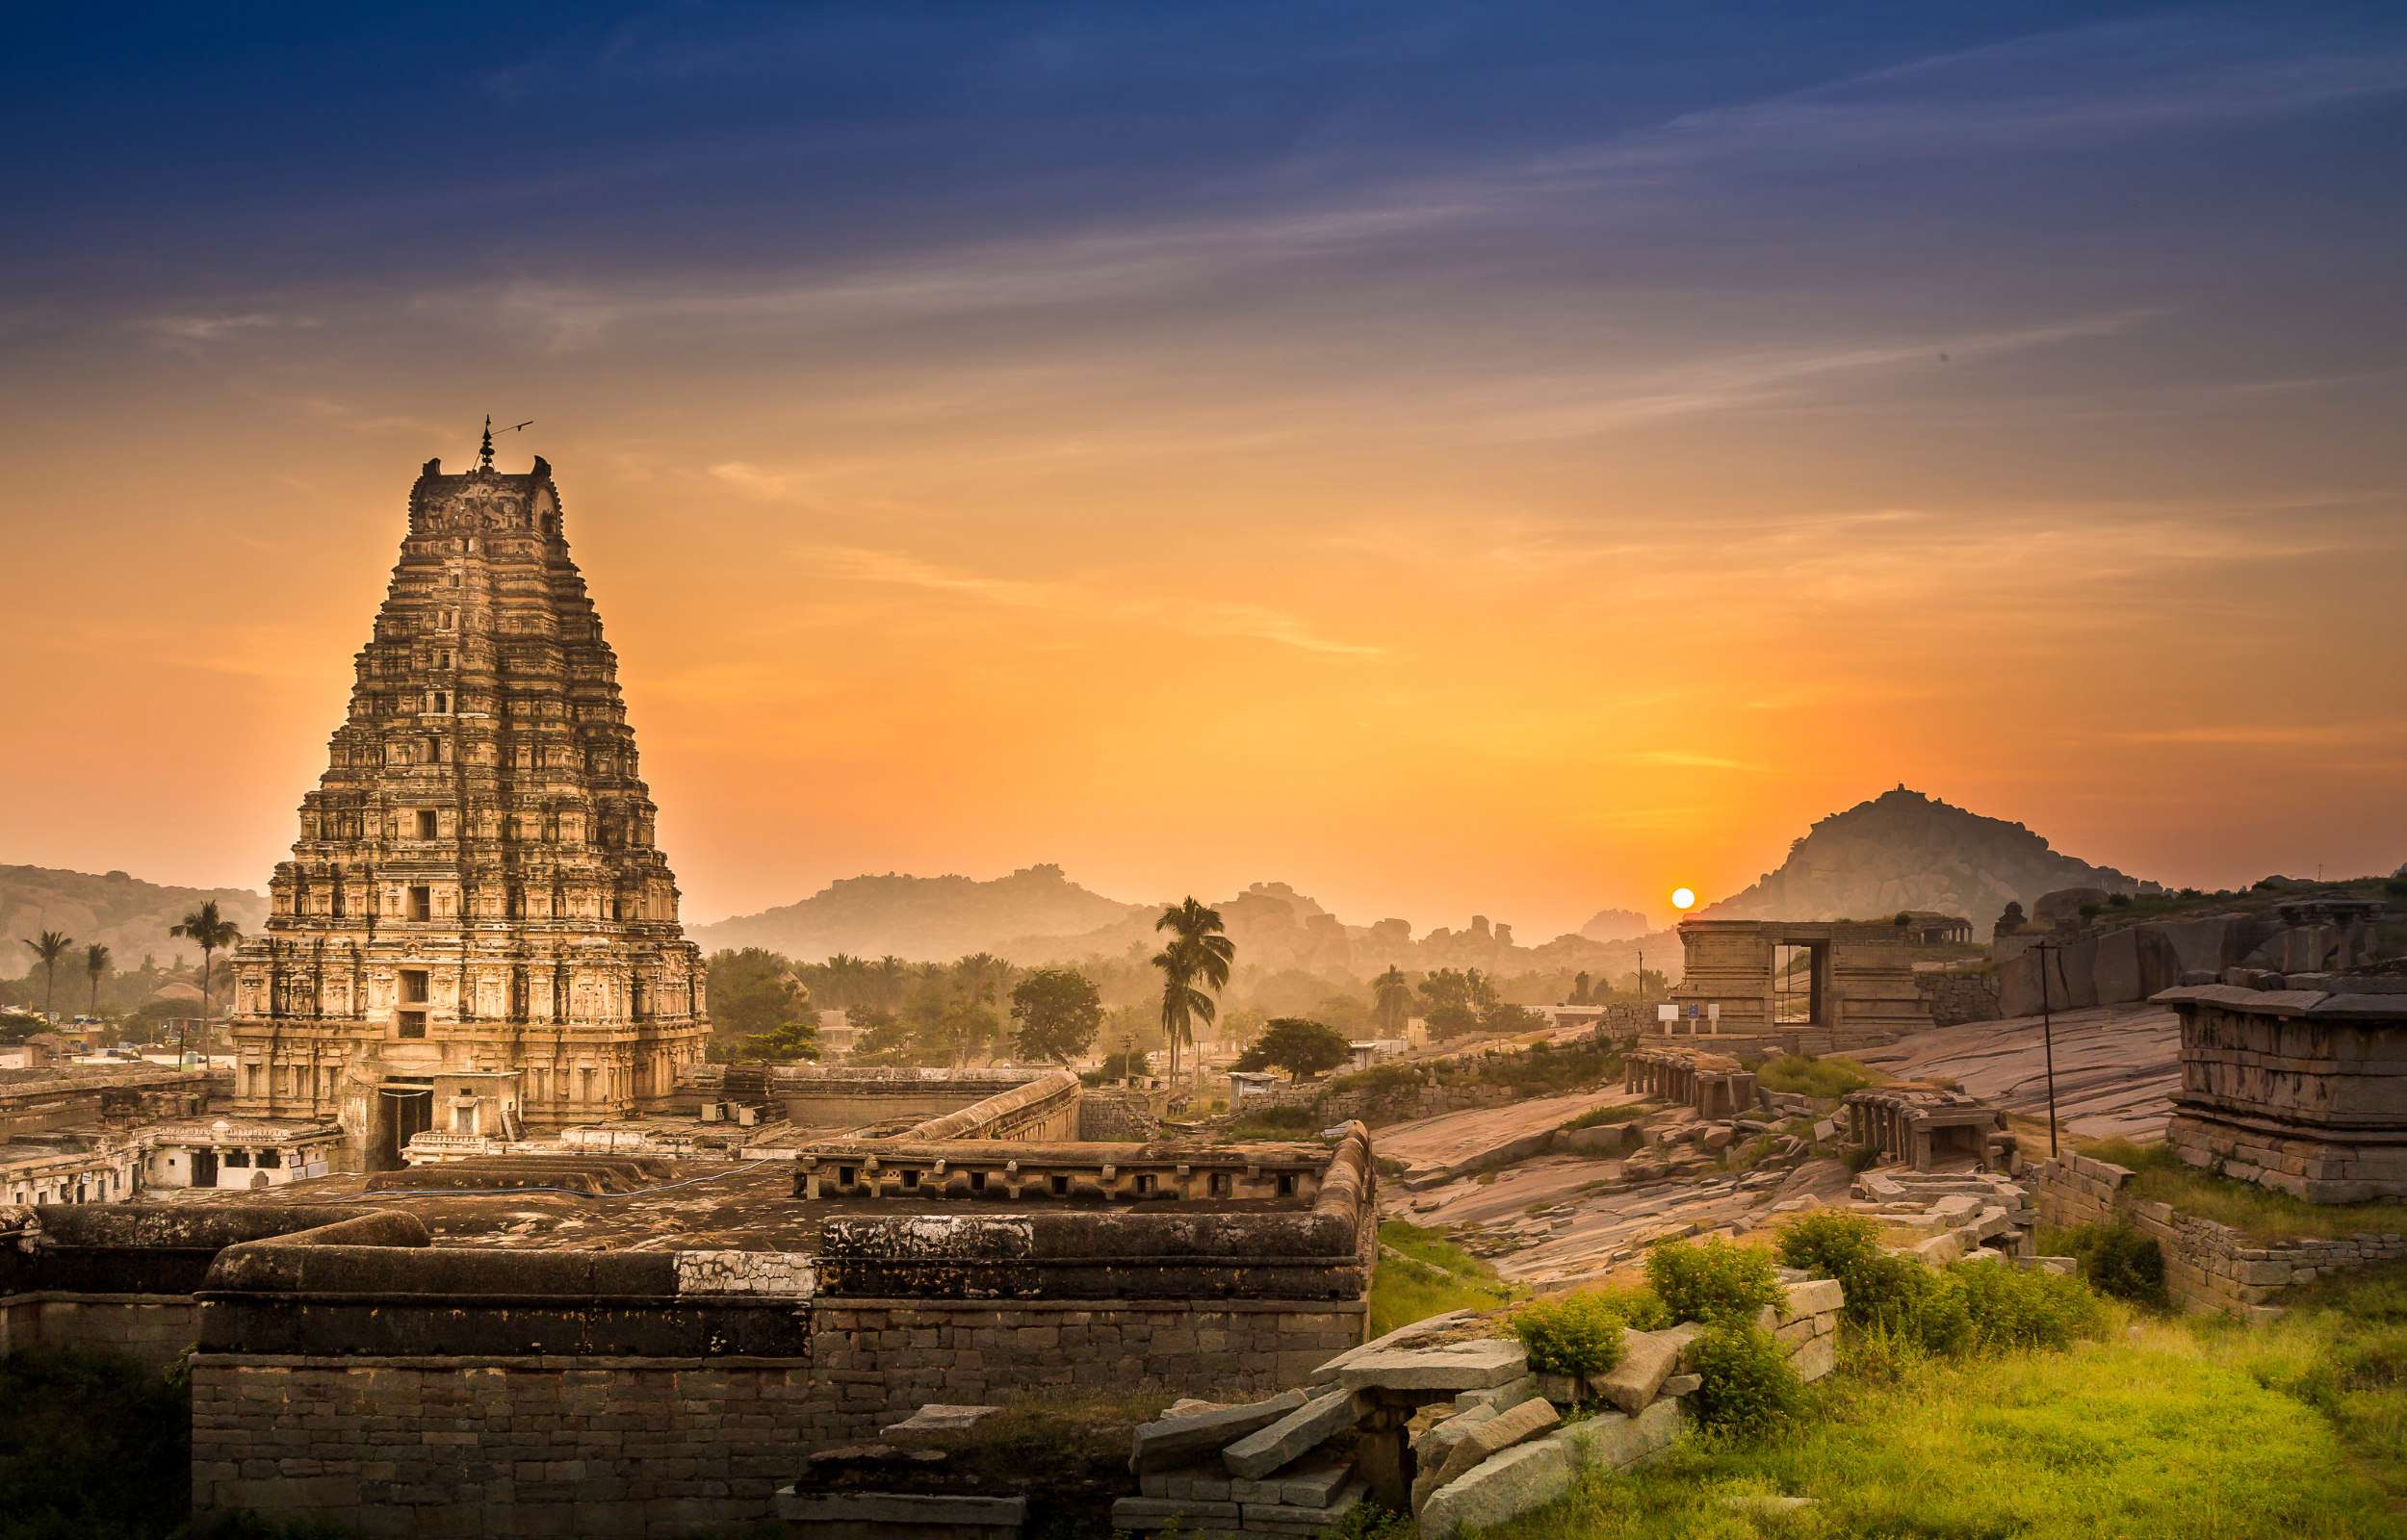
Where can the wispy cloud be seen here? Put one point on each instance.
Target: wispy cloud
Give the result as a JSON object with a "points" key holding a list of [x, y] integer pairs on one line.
{"points": [[1220, 618]]}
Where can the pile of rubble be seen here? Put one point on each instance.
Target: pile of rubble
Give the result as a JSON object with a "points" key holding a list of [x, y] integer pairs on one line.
{"points": [[1438, 1419], [1964, 1216]]}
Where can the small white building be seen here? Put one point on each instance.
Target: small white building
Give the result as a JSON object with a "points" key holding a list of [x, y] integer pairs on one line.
{"points": [[238, 1152], [1379, 1050], [64, 1168], [1250, 1085]]}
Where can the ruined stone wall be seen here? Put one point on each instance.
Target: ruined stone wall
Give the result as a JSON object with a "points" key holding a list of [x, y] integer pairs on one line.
{"points": [[2208, 1267], [1956, 998], [607, 1446], [152, 1329], [1118, 1117]]}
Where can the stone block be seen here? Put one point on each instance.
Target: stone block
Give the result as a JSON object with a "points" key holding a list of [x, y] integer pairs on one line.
{"points": [[1496, 1398], [1939, 1250], [1612, 1442], [1397, 1338], [1294, 1435], [1158, 1513], [1505, 1486], [1815, 1297], [1452, 1366], [1298, 1519], [1648, 1359], [937, 1418], [1179, 1440], [1817, 1358], [1492, 1437], [1430, 1449], [1316, 1483], [1681, 1385]]}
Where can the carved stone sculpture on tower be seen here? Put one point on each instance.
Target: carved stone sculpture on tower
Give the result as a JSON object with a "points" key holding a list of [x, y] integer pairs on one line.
{"points": [[476, 937]]}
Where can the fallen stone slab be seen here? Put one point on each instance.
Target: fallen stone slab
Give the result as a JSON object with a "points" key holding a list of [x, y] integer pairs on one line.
{"points": [[1684, 1339], [1179, 1440], [1313, 1483], [936, 1418], [1648, 1359], [1496, 1398], [1491, 1438], [992, 1515], [1682, 1385], [1939, 1250], [1447, 1365], [1612, 1442], [1435, 1444], [1397, 1338], [1294, 1435], [1817, 1357], [1503, 1486]]}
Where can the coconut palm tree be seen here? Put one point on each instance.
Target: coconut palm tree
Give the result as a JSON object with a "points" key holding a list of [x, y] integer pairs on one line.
{"points": [[212, 933], [1200, 953], [1391, 1000], [50, 948], [95, 964]]}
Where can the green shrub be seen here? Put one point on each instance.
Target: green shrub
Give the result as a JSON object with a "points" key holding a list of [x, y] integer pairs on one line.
{"points": [[1576, 1334], [2121, 1263], [1828, 1244], [2012, 1309], [1598, 1117], [1806, 1075], [1381, 1077], [1713, 1280], [92, 1445], [1748, 1388]]}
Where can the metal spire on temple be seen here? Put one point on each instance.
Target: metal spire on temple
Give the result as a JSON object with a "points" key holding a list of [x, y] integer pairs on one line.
{"points": [[484, 456]]}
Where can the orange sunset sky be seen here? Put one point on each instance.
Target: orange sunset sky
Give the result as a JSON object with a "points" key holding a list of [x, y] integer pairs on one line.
{"points": [[1480, 477]]}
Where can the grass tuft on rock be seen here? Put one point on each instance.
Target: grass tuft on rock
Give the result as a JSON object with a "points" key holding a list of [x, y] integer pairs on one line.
{"points": [[1428, 1276]]}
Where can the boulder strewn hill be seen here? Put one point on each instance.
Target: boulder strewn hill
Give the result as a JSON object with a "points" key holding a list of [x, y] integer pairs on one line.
{"points": [[125, 913], [1904, 850], [922, 919]]}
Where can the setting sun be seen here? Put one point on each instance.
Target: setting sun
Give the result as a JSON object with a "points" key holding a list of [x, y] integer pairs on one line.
{"points": [[1683, 899]]}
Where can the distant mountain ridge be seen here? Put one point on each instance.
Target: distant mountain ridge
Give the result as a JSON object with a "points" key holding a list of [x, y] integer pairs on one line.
{"points": [[124, 913], [1037, 916], [921, 918], [1905, 850]]}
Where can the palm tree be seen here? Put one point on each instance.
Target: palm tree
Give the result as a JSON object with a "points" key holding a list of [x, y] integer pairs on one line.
{"points": [[95, 964], [1391, 998], [50, 948], [1200, 951], [212, 933]]}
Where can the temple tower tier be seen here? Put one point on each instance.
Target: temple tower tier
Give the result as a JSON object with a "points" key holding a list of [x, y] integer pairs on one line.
{"points": [[476, 937]]}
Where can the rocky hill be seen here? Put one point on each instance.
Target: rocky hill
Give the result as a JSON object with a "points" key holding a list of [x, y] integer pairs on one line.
{"points": [[921, 918], [126, 914], [1037, 917], [1904, 850]]}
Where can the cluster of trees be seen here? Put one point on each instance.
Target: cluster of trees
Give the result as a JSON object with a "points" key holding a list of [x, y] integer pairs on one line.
{"points": [[205, 927], [946, 1014]]}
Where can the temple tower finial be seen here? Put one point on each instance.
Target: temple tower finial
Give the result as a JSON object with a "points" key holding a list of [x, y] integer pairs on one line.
{"points": [[484, 456]]}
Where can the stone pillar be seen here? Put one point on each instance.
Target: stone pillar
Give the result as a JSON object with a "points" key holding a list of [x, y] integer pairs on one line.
{"points": [[1382, 1454]]}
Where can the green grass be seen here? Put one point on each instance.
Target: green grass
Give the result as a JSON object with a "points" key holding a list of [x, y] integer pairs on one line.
{"points": [[2260, 1212], [1600, 1116], [2144, 1437], [1804, 1075], [1433, 1277]]}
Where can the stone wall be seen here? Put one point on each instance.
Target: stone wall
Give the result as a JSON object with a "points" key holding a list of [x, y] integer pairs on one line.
{"points": [[605, 1446], [1378, 1108], [1116, 1116], [2208, 1267], [152, 1329], [1956, 998]]}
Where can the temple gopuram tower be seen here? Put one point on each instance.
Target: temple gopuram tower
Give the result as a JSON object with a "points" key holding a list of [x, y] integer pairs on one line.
{"points": [[476, 937]]}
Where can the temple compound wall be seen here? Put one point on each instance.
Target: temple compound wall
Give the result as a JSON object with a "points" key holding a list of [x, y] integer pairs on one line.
{"points": [[350, 1368], [1851, 986], [844, 1097]]}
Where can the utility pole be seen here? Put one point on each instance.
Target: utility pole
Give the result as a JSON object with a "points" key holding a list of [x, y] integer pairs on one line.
{"points": [[2046, 1036]]}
